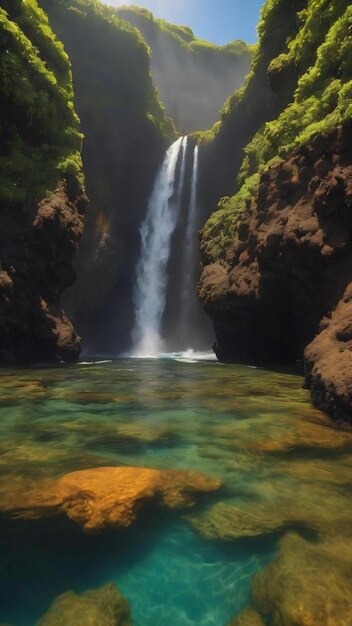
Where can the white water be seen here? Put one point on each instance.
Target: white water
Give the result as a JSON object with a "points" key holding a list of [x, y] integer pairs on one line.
{"points": [[188, 295], [185, 356], [190, 232], [156, 233]]}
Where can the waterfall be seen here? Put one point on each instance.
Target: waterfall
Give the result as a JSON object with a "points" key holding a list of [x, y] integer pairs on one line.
{"points": [[188, 295], [156, 234], [192, 216]]}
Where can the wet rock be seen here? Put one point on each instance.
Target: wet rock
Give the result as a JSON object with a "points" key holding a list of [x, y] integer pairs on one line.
{"points": [[290, 267], [107, 496], [228, 522], [36, 266], [101, 607], [309, 436], [307, 584], [318, 508], [328, 361], [247, 618]]}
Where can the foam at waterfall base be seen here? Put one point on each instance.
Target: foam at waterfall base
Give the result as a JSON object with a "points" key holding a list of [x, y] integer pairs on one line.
{"points": [[185, 356], [192, 356]]}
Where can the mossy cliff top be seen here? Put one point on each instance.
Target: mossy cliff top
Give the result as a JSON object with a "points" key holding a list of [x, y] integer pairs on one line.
{"points": [[145, 21], [194, 77], [300, 85], [122, 59], [39, 130]]}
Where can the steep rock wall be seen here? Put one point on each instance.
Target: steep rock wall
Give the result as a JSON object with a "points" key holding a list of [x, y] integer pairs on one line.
{"points": [[126, 131], [276, 255], [289, 268], [41, 197]]}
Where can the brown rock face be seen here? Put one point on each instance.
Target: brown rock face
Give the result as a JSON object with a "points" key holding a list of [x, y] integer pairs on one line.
{"points": [[107, 496], [328, 361], [37, 246], [289, 268], [99, 607]]}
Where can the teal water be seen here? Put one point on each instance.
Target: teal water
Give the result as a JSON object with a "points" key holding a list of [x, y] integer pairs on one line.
{"points": [[252, 428]]}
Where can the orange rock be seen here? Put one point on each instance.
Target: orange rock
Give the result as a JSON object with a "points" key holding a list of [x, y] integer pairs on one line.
{"points": [[108, 496]]}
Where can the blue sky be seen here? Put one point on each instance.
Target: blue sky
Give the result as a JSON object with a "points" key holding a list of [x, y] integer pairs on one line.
{"points": [[219, 21]]}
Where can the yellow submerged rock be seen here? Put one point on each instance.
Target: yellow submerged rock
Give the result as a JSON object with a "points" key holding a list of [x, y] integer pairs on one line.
{"points": [[248, 617], [308, 584], [106, 496], [100, 607]]}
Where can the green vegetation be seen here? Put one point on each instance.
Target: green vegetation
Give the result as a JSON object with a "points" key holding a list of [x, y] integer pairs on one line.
{"points": [[122, 60], [323, 97], [40, 140], [205, 74], [183, 35], [126, 132], [220, 231], [310, 77]]}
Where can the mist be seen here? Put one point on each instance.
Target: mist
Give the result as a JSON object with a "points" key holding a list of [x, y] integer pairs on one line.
{"points": [[193, 77]]}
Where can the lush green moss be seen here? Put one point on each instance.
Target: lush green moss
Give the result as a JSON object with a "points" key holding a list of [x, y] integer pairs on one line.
{"points": [[123, 62], [323, 97], [219, 231], [126, 133], [306, 83], [39, 130]]}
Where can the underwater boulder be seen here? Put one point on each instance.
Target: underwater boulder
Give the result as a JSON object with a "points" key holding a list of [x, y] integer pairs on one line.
{"points": [[307, 584], [107, 497], [100, 607], [248, 617]]}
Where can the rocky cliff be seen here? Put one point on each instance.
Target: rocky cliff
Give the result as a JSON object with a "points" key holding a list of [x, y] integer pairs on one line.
{"points": [[41, 197], [277, 255], [194, 77], [126, 131]]}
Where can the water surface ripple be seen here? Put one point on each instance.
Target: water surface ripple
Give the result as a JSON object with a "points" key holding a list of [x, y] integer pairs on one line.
{"points": [[256, 430]]}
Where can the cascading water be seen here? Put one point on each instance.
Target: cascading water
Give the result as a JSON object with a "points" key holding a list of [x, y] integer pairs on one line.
{"points": [[156, 234], [188, 294]]}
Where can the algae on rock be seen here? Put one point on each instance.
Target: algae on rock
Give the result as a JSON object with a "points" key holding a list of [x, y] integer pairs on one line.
{"points": [[98, 607]]}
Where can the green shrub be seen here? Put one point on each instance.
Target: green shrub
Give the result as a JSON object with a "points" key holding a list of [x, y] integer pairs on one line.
{"points": [[39, 130], [320, 50]]}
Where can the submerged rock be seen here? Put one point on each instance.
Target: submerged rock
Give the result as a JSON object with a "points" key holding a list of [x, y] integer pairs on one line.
{"points": [[317, 508], [100, 607], [248, 617], [229, 522], [107, 496], [307, 584]]}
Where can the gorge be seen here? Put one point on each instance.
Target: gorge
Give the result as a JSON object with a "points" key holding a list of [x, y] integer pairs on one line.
{"points": [[175, 317]]}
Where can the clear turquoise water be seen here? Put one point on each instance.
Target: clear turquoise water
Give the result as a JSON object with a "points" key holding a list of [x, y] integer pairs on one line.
{"points": [[167, 414]]}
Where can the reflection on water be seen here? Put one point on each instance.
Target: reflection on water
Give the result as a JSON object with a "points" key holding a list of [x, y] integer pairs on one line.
{"points": [[284, 468]]}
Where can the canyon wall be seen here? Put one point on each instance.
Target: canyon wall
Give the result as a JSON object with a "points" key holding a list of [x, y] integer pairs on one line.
{"points": [[126, 132], [194, 77], [42, 201], [276, 255]]}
